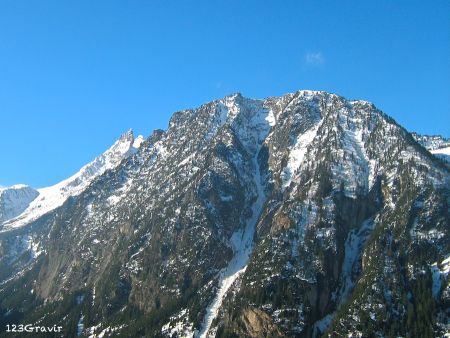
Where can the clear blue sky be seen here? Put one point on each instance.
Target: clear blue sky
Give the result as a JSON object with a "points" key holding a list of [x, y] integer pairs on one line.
{"points": [[74, 75]]}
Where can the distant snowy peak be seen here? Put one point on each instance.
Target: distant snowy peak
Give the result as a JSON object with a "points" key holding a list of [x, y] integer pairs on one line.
{"points": [[52, 197], [14, 187], [14, 200], [432, 142], [435, 144]]}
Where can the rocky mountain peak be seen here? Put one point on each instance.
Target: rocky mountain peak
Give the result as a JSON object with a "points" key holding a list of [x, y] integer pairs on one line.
{"points": [[127, 137], [303, 215]]}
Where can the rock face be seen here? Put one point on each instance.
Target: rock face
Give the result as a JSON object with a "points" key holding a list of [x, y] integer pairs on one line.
{"points": [[294, 216]]}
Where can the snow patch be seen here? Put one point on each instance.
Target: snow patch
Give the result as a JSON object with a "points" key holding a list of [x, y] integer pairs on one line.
{"points": [[439, 273], [80, 325], [297, 153], [179, 326], [271, 118], [353, 248], [33, 246], [138, 141]]}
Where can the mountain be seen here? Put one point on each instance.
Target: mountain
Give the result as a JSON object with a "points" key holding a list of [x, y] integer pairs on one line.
{"points": [[29, 204], [432, 142], [303, 215], [14, 200], [436, 144]]}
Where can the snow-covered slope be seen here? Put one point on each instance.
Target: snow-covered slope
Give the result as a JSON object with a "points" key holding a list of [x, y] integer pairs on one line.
{"points": [[54, 196], [14, 200], [442, 153]]}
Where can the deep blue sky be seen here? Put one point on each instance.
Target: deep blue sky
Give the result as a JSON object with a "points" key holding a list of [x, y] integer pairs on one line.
{"points": [[74, 75]]}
